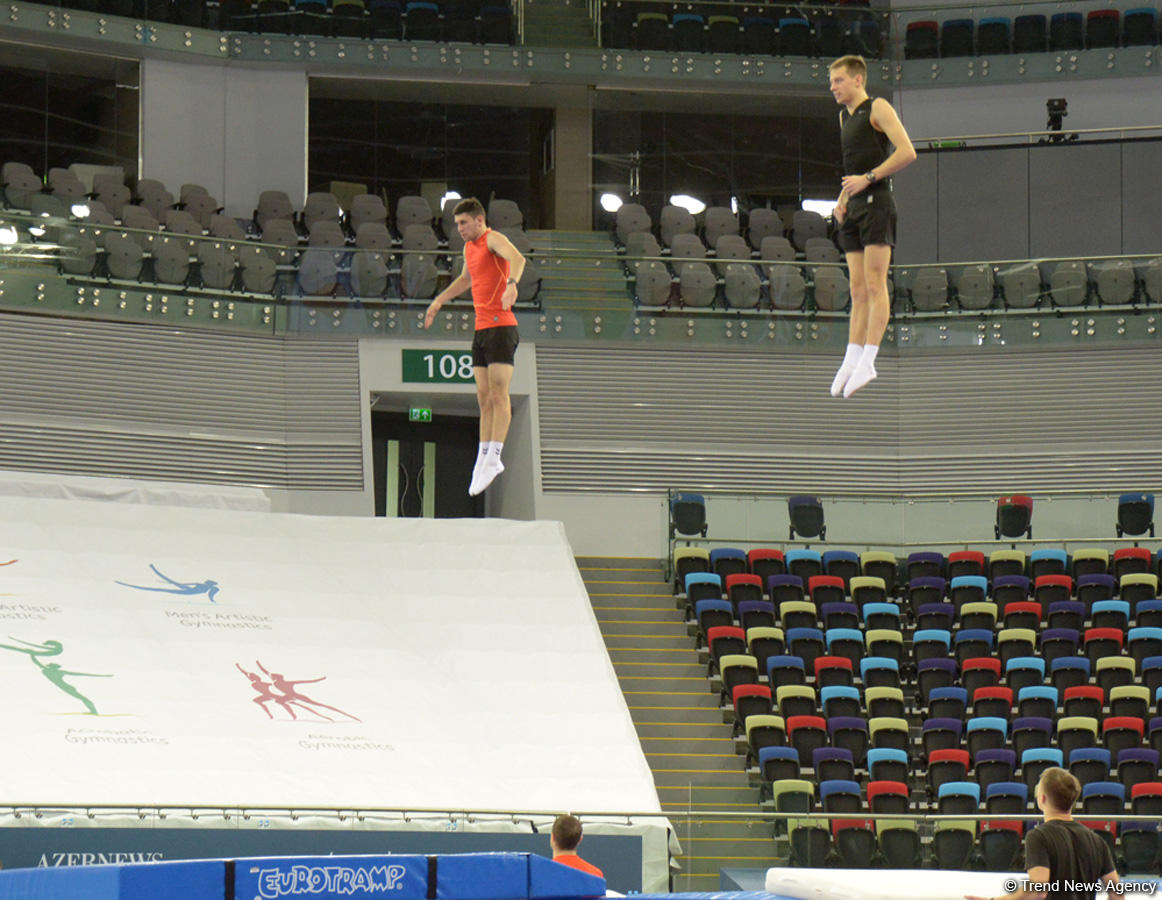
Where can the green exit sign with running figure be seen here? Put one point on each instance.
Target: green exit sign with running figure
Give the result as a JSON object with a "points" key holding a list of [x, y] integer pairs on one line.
{"points": [[419, 414]]}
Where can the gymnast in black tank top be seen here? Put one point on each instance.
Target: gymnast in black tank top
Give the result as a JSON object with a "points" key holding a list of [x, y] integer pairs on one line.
{"points": [[864, 148]]}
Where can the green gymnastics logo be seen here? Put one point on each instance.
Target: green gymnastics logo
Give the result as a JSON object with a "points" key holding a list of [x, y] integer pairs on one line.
{"points": [[53, 671]]}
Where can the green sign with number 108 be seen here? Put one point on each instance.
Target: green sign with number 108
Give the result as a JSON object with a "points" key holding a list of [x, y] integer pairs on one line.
{"points": [[437, 366]]}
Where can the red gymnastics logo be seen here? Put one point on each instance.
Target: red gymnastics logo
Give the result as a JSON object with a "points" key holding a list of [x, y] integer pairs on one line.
{"points": [[284, 693]]}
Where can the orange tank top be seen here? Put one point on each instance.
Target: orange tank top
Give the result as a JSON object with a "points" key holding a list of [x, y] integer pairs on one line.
{"points": [[489, 274]]}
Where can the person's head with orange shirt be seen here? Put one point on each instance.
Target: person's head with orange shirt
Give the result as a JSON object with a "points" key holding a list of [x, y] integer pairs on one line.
{"points": [[566, 835]]}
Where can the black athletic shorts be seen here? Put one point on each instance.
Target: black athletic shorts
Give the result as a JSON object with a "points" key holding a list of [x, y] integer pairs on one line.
{"points": [[495, 345], [868, 223]]}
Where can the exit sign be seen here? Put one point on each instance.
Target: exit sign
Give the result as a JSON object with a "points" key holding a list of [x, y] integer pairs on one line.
{"points": [[436, 366], [419, 414]]}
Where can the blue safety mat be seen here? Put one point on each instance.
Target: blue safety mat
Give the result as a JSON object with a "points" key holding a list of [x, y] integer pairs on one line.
{"points": [[465, 876], [714, 895]]}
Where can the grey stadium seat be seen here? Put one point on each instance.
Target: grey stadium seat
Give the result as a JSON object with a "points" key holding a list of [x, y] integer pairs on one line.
{"points": [[697, 285], [762, 223], [674, 221], [272, 205], [368, 274], [152, 194], [321, 206], [418, 271], [930, 289], [19, 180], [976, 287], [178, 221], [412, 210], [1021, 285], [189, 190], [652, 281], [226, 227], [806, 224], [258, 270], [1069, 284], [218, 264], [318, 274], [420, 237], [731, 246], [281, 233], [171, 260], [820, 249], [448, 225], [504, 214], [98, 215], [47, 205], [373, 236], [1151, 276], [774, 247], [327, 233], [1115, 280], [741, 283], [831, 288], [786, 286], [69, 189], [78, 253], [719, 221], [366, 208], [202, 208], [123, 256], [631, 218], [110, 189], [139, 217]]}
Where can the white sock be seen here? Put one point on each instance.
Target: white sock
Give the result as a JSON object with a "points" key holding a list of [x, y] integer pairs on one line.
{"points": [[494, 449], [850, 358], [865, 371]]}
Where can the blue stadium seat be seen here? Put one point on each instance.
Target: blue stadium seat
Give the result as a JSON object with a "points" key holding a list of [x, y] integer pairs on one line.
{"points": [[726, 561], [1048, 561], [887, 764], [947, 702], [967, 589], [993, 36], [1140, 27], [804, 563], [1090, 764], [956, 37], [958, 798], [985, 733]]}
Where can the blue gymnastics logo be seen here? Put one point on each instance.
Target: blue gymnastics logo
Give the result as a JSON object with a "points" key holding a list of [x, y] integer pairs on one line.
{"points": [[299, 881], [208, 587]]}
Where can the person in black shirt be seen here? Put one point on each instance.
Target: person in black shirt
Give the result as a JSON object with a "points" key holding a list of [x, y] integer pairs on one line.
{"points": [[1064, 859], [866, 214]]}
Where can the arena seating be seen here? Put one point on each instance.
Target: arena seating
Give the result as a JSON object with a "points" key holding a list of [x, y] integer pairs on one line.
{"points": [[825, 705], [466, 21], [146, 235], [794, 264]]}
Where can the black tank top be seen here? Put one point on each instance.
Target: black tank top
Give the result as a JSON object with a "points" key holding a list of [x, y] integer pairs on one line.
{"points": [[864, 147]]}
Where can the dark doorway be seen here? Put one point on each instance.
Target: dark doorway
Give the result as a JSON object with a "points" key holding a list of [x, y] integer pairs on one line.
{"points": [[447, 443]]}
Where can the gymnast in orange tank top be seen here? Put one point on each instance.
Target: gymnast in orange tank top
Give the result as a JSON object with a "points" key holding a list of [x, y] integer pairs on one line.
{"points": [[492, 269], [489, 273]]}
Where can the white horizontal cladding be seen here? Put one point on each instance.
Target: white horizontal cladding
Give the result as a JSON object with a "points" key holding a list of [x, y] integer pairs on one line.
{"points": [[102, 398], [957, 421]]}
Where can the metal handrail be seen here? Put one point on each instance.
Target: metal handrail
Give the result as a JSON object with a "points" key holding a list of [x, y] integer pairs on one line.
{"points": [[19, 810], [1015, 135]]}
